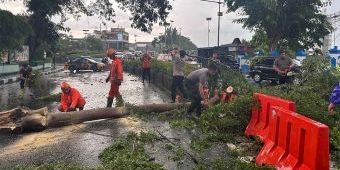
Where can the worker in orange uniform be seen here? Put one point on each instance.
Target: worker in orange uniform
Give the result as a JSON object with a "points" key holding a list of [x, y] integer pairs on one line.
{"points": [[115, 76], [71, 99]]}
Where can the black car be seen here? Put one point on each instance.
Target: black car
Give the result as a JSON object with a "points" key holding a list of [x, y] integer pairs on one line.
{"points": [[262, 69], [84, 63]]}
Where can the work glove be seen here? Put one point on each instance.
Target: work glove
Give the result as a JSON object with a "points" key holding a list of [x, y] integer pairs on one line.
{"points": [[107, 79], [70, 109], [286, 71]]}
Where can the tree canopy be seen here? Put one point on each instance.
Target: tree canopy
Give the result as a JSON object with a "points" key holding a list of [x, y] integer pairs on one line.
{"points": [[13, 31], [45, 33], [260, 41], [143, 13], [287, 23], [67, 45], [173, 38]]}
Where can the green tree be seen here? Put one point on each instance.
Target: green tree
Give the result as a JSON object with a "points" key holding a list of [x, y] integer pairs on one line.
{"points": [[67, 45], [43, 38], [173, 39], [13, 31], [287, 23], [94, 44], [260, 41]]}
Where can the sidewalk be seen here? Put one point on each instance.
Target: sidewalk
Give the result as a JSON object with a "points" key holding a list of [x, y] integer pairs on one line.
{"points": [[15, 77]]}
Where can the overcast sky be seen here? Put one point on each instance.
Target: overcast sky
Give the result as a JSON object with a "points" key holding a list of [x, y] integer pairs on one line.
{"points": [[189, 15]]}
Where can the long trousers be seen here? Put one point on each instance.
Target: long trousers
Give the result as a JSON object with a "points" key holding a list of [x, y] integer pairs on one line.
{"points": [[177, 82]]}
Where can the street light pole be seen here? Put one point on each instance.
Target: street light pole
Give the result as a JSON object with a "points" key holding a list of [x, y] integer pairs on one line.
{"points": [[208, 19], [165, 36], [171, 34], [160, 42], [219, 14], [85, 32]]}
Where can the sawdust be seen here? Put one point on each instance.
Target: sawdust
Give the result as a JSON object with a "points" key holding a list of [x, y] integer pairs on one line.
{"points": [[31, 141]]}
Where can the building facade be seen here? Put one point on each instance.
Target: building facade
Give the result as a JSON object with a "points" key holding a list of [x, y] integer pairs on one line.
{"points": [[116, 38]]}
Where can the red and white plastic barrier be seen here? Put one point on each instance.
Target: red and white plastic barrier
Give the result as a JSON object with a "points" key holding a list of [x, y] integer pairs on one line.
{"points": [[291, 141]]}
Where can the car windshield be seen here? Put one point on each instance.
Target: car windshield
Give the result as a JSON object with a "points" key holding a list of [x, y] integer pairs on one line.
{"points": [[91, 60], [119, 53]]}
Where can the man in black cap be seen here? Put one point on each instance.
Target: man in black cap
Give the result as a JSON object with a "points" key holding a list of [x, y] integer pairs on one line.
{"points": [[178, 60]]}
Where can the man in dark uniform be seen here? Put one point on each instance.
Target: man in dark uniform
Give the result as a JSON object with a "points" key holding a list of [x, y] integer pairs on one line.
{"points": [[282, 65], [195, 83], [24, 72]]}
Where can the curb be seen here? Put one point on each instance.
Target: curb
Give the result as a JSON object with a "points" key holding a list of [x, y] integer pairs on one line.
{"points": [[9, 80], [16, 79]]}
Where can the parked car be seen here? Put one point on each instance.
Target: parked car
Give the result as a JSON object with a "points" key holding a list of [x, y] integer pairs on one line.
{"points": [[138, 53], [119, 54], [129, 56], [262, 69], [164, 57], [84, 63]]}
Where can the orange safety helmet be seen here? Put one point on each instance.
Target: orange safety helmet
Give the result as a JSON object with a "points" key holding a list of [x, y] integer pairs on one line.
{"points": [[64, 85], [110, 51]]}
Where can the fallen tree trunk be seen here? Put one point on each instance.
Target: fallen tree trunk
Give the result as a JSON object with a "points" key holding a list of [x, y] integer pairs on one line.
{"points": [[16, 119], [67, 118], [20, 119], [25, 119]]}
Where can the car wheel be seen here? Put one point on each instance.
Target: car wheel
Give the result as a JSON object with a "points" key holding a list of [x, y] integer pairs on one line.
{"points": [[94, 68], [71, 68], [257, 78], [297, 81]]}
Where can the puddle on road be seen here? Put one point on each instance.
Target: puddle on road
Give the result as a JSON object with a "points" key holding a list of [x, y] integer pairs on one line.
{"points": [[82, 143], [95, 90]]}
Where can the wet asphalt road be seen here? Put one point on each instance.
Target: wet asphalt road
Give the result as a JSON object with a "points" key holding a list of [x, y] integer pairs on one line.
{"points": [[82, 143]]}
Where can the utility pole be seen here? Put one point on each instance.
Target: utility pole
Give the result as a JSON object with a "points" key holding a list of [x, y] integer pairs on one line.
{"points": [[136, 41], [179, 38], [219, 19]]}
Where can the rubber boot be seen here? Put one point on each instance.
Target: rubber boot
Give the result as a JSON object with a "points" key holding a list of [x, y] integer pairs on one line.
{"points": [[109, 102]]}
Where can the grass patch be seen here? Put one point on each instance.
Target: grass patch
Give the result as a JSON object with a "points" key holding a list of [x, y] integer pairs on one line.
{"points": [[129, 153], [182, 123]]}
